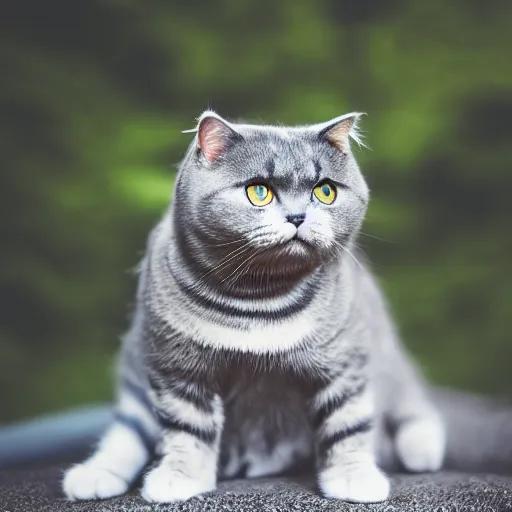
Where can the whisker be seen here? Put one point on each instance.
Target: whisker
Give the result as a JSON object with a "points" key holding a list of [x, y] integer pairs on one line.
{"points": [[376, 237], [339, 246], [351, 255], [228, 243], [236, 256], [250, 258], [233, 254], [244, 236], [245, 269], [224, 266]]}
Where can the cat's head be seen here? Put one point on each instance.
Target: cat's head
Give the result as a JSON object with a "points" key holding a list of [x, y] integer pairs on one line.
{"points": [[278, 200]]}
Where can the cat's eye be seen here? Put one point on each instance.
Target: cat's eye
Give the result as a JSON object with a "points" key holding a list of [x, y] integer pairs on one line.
{"points": [[259, 194], [325, 193]]}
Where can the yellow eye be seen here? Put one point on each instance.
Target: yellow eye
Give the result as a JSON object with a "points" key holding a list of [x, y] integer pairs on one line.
{"points": [[325, 193], [259, 195]]}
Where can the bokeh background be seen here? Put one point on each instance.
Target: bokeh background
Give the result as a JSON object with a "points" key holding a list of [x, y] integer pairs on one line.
{"points": [[94, 95]]}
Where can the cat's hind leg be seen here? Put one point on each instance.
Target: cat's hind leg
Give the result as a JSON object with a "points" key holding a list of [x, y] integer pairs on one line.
{"points": [[417, 429], [420, 442], [122, 453]]}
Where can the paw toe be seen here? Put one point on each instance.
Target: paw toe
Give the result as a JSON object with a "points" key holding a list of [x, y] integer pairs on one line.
{"points": [[83, 482], [364, 484], [161, 485], [420, 446]]}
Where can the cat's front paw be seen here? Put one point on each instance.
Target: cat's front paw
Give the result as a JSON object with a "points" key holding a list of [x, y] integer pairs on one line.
{"points": [[357, 483], [162, 485], [420, 445], [85, 482]]}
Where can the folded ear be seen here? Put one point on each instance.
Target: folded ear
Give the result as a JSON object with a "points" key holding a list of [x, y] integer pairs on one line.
{"points": [[214, 135], [338, 131]]}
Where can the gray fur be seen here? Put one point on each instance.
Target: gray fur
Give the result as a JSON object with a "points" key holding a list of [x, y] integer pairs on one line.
{"points": [[256, 344]]}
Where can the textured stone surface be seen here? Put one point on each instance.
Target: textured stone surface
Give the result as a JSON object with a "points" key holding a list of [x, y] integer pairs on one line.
{"points": [[38, 490]]}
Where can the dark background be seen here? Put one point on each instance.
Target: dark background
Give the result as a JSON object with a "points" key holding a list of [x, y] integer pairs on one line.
{"points": [[94, 95]]}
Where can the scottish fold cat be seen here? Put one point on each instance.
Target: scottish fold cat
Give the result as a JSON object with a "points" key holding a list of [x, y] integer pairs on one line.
{"points": [[260, 340]]}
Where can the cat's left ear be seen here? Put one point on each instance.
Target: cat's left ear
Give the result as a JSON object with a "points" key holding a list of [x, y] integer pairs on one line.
{"points": [[340, 130], [214, 135]]}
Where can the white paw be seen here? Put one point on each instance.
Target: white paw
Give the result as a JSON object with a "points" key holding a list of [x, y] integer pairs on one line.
{"points": [[420, 445], [162, 485], [84, 482], [357, 483]]}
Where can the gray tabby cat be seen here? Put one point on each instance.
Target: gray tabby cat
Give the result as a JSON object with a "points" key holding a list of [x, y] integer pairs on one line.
{"points": [[258, 340]]}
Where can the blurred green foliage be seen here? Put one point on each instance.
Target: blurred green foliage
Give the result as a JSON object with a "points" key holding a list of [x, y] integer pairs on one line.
{"points": [[94, 95]]}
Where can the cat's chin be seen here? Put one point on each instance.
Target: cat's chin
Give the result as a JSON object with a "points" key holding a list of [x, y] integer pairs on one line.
{"points": [[299, 245], [296, 253], [302, 248]]}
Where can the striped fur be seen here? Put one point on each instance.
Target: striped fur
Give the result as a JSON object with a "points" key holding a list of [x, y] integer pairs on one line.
{"points": [[257, 344]]}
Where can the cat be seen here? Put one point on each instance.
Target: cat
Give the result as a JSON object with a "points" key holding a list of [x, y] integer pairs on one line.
{"points": [[259, 339]]}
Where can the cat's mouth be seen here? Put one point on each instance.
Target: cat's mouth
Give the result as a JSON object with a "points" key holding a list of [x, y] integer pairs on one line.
{"points": [[297, 241], [285, 261], [296, 248], [292, 243]]}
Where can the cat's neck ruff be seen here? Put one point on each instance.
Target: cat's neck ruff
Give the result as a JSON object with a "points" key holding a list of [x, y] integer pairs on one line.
{"points": [[247, 325]]}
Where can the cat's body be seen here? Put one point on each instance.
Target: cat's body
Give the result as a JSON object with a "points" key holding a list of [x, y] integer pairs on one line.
{"points": [[258, 339]]}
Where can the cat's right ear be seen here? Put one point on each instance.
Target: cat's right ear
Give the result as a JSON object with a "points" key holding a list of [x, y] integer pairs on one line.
{"points": [[214, 135], [340, 130]]}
